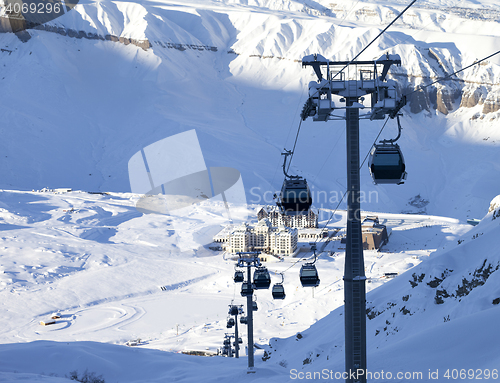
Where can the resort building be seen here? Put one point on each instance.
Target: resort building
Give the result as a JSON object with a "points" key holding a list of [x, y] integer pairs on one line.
{"points": [[296, 220], [277, 240]]}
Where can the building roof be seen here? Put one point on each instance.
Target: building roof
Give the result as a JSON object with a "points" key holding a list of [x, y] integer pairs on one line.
{"points": [[264, 222]]}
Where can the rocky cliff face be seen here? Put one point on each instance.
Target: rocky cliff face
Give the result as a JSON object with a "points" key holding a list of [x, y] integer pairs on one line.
{"points": [[477, 86], [492, 103], [472, 96], [24, 35], [483, 88]]}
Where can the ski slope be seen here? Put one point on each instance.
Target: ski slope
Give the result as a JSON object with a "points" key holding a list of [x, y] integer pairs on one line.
{"points": [[114, 275]]}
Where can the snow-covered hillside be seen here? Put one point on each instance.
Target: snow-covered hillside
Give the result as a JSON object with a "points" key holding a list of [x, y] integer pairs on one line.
{"points": [[441, 315], [114, 275]]}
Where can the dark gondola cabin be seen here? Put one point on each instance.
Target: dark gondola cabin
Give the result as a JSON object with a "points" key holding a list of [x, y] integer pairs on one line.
{"points": [[246, 289], [387, 165], [278, 291], [295, 196], [243, 320], [309, 275], [233, 310], [261, 278], [238, 276], [254, 306]]}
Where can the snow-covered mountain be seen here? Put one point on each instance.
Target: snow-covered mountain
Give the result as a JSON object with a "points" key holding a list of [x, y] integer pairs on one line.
{"points": [[83, 93], [115, 276]]}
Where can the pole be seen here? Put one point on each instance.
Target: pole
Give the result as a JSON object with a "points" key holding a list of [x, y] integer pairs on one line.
{"points": [[250, 322], [237, 343], [354, 270]]}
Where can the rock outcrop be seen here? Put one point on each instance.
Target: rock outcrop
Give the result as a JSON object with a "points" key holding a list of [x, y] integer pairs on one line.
{"points": [[472, 96], [477, 86], [492, 103]]}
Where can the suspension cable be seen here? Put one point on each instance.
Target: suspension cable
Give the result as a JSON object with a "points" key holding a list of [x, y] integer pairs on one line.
{"points": [[380, 132], [294, 145], [420, 88], [365, 48], [374, 142], [335, 210], [380, 34], [371, 42], [298, 130], [300, 123]]}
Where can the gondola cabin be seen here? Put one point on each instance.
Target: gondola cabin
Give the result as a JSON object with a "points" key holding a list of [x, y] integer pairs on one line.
{"points": [[387, 165], [233, 310], [243, 320], [238, 276], [295, 196], [309, 275], [261, 278], [254, 306], [246, 289], [278, 291]]}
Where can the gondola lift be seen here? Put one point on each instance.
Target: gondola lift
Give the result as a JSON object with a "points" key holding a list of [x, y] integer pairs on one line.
{"points": [[295, 195], [308, 272], [279, 290], [238, 276], [386, 161], [246, 289], [261, 278], [233, 310]]}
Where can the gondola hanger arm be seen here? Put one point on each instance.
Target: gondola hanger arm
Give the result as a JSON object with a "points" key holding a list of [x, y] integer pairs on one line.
{"points": [[392, 141], [287, 153]]}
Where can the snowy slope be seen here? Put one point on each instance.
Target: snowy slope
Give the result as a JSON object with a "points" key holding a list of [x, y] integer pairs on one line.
{"points": [[99, 264], [440, 315], [114, 275]]}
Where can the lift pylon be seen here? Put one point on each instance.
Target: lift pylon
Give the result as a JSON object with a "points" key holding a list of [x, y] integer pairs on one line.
{"points": [[249, 259], [339, 96]]}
